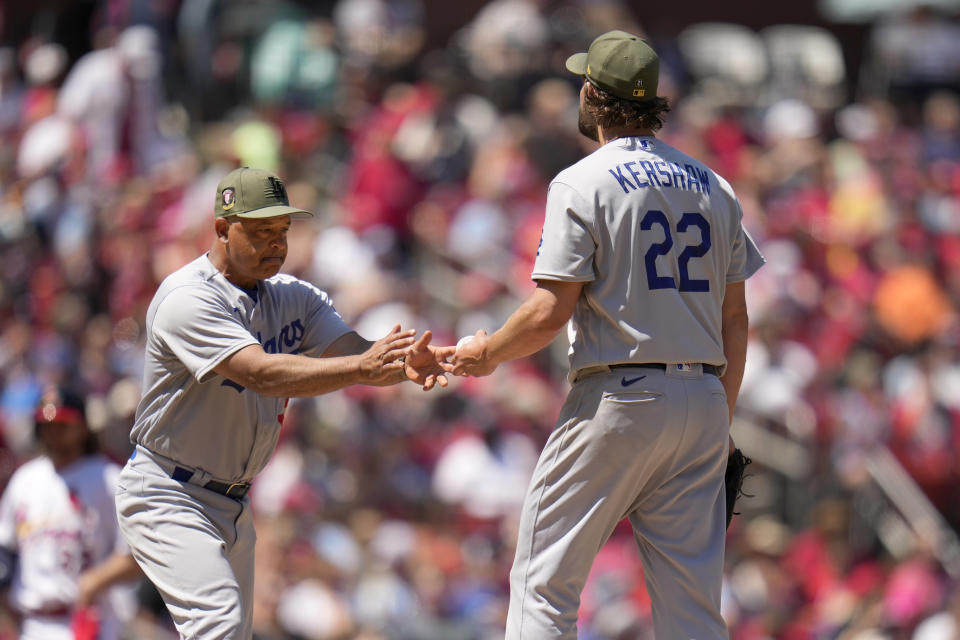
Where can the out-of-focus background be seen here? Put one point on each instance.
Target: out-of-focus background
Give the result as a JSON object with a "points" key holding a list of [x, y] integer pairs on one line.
{"points": [[424, 134]]}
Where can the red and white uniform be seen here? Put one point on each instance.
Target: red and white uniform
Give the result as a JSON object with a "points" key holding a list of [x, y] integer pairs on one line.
{"points": [[61, 523]]}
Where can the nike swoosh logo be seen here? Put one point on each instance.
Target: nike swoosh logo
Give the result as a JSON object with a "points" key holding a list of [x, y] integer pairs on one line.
{"points": [[626, 383]]}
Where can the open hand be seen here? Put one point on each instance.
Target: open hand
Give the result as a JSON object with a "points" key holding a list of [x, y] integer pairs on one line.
{"points": [[383, 358], [426, 364]]}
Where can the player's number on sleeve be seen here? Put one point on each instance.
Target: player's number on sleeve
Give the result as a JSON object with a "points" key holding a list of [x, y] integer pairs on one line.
{"points": [[687, 223]]}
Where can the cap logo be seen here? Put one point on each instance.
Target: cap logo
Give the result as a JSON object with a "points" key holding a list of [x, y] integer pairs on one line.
{"points": [[229, 198], [274, 189], [49, 412], [639, 91]]}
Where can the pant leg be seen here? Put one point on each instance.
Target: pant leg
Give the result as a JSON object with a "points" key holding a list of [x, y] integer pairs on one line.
{"points": [[241, 559], [680, 524], [195, 545], [593, 467]]}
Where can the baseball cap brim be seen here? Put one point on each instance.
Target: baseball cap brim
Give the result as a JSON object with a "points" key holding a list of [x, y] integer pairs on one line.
{"points": [[577, 63], [270, 212]]}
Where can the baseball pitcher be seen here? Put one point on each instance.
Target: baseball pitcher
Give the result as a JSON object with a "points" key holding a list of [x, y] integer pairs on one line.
{"points": [[644, 253]]}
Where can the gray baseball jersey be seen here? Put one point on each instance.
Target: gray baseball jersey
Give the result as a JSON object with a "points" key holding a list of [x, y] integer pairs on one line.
{"points": [[198, 318], [657, 235], [194, 544]]}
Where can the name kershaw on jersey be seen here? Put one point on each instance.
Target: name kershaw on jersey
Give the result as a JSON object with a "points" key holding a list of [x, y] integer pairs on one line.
{"points": [[638, 174]]}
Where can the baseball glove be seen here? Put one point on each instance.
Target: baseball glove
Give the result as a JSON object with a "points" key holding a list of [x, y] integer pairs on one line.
{"points": [[736, 465]]}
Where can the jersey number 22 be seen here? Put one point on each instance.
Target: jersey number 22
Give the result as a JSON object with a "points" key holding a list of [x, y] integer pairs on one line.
{"points": [[687, 220]]}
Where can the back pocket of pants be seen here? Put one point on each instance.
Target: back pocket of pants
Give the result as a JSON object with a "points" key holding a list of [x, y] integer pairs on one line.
{"points": [[631, 397]]}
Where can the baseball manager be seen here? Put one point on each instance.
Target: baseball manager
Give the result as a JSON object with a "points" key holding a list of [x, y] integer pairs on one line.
{"points": [[229, 339]]}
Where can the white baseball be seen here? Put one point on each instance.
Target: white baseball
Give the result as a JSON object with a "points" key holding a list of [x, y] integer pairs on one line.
{"points": [[462, 341]]}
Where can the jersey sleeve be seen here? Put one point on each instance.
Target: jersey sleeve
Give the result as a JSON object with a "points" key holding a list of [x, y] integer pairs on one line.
{"points": [[324, 325], [199, 330], [745, 258], [567, 244]]}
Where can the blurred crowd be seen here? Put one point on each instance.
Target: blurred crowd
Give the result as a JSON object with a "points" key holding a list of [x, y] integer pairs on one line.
{"points": [[391, 513]]}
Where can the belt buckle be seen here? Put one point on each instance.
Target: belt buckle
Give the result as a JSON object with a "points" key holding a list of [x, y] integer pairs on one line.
{"points": [[243, 489]]}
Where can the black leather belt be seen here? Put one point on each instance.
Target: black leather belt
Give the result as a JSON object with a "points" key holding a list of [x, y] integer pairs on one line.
{"points": [[707, 368], [235, 490]]}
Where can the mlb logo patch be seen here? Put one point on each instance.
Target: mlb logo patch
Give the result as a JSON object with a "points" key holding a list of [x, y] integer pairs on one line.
{"points": [[228, 198], [275, 189]]}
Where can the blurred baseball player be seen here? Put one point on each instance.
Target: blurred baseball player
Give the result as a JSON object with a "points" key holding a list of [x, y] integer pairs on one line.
{"points": [[643, 247], [229, 339], [58, 526]]}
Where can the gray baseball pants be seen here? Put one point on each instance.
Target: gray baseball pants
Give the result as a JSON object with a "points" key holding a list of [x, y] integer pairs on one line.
{"points": [[640, 443], [195, 545]]}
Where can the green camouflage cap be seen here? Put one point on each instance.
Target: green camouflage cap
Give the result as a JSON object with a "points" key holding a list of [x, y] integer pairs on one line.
{"points": [[254, 193], [620, 63]]}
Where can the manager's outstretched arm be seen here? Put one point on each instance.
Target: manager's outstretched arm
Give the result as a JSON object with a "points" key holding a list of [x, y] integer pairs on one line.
{"points": [[421, 361], [284, 374], [349, 360]]}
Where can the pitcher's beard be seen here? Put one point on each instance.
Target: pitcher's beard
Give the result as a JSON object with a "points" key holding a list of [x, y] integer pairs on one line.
{"points": [[587, 126]]}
